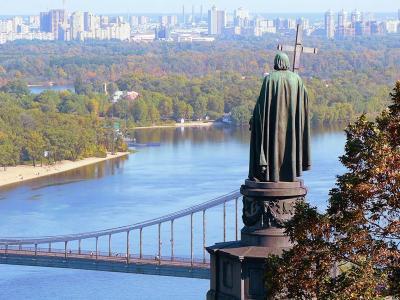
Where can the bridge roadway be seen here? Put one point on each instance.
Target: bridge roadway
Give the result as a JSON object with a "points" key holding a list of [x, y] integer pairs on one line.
{"points": [[88, 261], [18, 251]]}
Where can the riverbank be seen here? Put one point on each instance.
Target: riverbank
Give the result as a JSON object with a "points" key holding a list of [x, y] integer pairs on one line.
{"points": [[18, 174], [177, 125]]}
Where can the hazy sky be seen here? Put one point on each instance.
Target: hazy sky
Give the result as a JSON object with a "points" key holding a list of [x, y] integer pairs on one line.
{"points": [[167, 6]]}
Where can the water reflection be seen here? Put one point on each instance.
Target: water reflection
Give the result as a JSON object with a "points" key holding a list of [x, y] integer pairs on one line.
{"points": [[216, 134], [94, 171]]}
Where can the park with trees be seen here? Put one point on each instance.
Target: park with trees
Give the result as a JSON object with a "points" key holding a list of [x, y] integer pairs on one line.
{"points": [[198, 80], [51, 127]]}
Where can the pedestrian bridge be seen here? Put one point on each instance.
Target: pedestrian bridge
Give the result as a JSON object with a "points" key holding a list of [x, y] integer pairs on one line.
{"points": [[39, 251]]}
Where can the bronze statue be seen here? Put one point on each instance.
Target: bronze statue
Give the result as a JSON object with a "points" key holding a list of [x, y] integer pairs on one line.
{"points": [[280, 127]]}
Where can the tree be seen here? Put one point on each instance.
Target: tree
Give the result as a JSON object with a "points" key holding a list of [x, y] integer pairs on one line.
{"points": [[17, 87], [166, 108], [48, 101], [154, 115], [200, 107], [140, 111], [35, 146], [8, 152], [241, 115], [82, 88], [359, 236]]}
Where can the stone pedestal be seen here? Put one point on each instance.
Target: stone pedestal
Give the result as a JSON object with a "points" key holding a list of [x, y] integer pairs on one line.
{"points": [[237, 268]]}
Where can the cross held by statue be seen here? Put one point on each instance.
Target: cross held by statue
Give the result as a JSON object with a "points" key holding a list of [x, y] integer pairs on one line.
{"points": [[298, 49]]}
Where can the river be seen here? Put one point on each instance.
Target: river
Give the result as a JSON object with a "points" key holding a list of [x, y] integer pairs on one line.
{"points": [[57, 88], [192, 165]]}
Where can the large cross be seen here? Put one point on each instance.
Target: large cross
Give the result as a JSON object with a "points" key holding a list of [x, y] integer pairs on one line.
{"points": [[298, 49]]}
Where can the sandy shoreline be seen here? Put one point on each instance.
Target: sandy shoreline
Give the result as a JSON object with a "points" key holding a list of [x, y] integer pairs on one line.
{"points": [[19, 174], [177, 125]]}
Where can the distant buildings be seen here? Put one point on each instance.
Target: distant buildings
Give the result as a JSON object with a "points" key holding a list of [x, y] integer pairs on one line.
{"points": [[359, 24], [330, 24], [77, 26], [55, 21], [241, 18], [216, 21], [58, 24]]}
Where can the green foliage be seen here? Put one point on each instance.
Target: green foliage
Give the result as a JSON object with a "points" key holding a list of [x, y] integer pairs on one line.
{"points": [[8, 153], [35, 145], [241, 115], [358, 237], [16, 87], [62, 125], [346, 78]]}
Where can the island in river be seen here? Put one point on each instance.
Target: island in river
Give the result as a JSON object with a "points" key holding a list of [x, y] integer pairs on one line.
{"points": [[21, 173]]}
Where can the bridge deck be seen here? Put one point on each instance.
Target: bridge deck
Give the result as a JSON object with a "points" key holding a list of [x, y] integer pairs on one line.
{"points": [[163, 267], [18, 251]]}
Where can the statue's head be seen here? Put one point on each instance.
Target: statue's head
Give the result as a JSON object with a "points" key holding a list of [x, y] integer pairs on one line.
{"points": [[282, 62]]}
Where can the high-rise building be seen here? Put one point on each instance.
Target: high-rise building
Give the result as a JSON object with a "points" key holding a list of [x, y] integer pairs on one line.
{"points": [[104, 21], [342, 18], [342, 24], [6, 26], [290, 24], [120, 20], [172, 21], [183, 15], [169, 21], [362, 28], [17, 22], [216, 21], [241, 17], [279, 23], [77, 25], [143, 20], [91, 22], [329, 24], [162, 33], [134, 21], [34, 22], [356, 17], [212, 21], [305, 23], [163, 21], [391, 26], [53, 21], [221, 21]]}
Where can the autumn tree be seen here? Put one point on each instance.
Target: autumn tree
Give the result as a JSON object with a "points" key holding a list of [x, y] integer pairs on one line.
{"points": [[351, 251], [35, 146], [8, 154], [241, 115]]}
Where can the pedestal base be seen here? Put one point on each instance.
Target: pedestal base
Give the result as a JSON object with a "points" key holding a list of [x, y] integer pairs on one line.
{"points": [[237, 271], [237, 268]]}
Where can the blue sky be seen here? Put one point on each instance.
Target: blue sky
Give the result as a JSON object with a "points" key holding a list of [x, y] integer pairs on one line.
{"points": [[167, 6]]}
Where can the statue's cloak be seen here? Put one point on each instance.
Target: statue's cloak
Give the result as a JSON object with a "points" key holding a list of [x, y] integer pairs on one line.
{"points": [[280, 127]]}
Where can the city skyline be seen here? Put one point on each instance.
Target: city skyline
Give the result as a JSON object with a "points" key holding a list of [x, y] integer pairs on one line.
{"points": [[174, 6]]}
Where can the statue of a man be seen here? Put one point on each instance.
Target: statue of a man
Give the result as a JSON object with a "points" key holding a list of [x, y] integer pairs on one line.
{"points": [[280, 127]]}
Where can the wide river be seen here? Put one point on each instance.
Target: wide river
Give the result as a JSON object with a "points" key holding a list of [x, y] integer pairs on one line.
{"points": [[191, 166]]}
